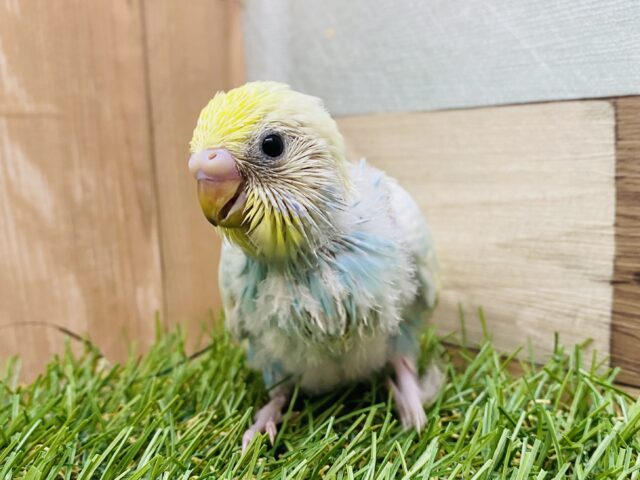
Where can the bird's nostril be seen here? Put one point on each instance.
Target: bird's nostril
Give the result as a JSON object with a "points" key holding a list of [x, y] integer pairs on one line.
{"points": [[212, 155]]}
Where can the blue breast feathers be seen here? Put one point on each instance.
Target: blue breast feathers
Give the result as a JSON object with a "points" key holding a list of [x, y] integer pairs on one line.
{"points": [[353, 292]]}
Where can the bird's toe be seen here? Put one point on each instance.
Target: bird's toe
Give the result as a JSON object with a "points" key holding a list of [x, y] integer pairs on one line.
{"points": [[408, 404], [418, 419], [247, 437], [271, 430]]}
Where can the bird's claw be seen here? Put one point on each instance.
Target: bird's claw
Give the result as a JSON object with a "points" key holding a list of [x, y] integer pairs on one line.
{"points": [[271, 430], [247, 437], [409, 407], [266, 421], [409, 395]]}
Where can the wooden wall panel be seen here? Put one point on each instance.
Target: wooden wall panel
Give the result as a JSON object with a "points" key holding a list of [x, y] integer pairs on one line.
{"points": [[192, 53], [625, 334], [78, 221], [521, 202]]}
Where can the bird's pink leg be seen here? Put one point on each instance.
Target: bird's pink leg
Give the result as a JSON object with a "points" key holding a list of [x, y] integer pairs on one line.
{"points": [[267, 419], [408, 394]]}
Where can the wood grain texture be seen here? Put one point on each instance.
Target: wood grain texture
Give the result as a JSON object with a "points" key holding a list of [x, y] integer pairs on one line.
{"points": [[190, 58], [367, 56], [521, 203], [625, 334], [78, 235]]}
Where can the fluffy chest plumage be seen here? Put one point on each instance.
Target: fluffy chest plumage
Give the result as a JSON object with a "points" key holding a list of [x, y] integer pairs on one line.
{"points": [[333, 320], [356, 292]]}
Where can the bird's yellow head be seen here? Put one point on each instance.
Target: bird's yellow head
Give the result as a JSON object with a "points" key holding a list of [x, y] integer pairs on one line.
{"points": [[271, 169]]}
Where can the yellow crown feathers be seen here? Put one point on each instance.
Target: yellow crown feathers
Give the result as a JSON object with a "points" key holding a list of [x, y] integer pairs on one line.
{"points": [[230, 118]]}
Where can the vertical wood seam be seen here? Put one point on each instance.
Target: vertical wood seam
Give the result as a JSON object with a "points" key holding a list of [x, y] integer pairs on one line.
{"points": [[152, 150], [625, 313]]}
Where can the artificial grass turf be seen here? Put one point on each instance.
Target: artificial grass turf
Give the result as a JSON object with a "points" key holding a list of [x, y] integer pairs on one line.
{"points": [[82, 420]]}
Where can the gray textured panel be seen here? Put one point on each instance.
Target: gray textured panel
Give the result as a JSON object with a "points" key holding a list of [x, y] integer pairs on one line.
{"points": [[366, 56]]}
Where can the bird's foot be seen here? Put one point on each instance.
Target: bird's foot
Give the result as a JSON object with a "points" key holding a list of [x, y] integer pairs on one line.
{"points": [[266, 420], [411, 393]]}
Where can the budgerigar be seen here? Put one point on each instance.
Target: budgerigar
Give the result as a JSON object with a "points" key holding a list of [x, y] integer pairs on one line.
{"points": [[328, 268]]}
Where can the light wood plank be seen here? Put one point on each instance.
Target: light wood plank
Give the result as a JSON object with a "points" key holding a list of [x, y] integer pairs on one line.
{"points": [[521, 203], [370, 56], [190, 55], [78, 235], [625, 334]]}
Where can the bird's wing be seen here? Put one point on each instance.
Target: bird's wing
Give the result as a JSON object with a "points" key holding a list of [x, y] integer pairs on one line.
{"points": [[419, 240]]}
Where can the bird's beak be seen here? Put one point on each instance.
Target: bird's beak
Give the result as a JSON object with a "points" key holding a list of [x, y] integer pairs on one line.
{"points": [[220, 186]]}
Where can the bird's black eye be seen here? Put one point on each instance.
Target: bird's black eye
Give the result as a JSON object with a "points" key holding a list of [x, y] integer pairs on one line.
{"points": [[272, 145]]}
